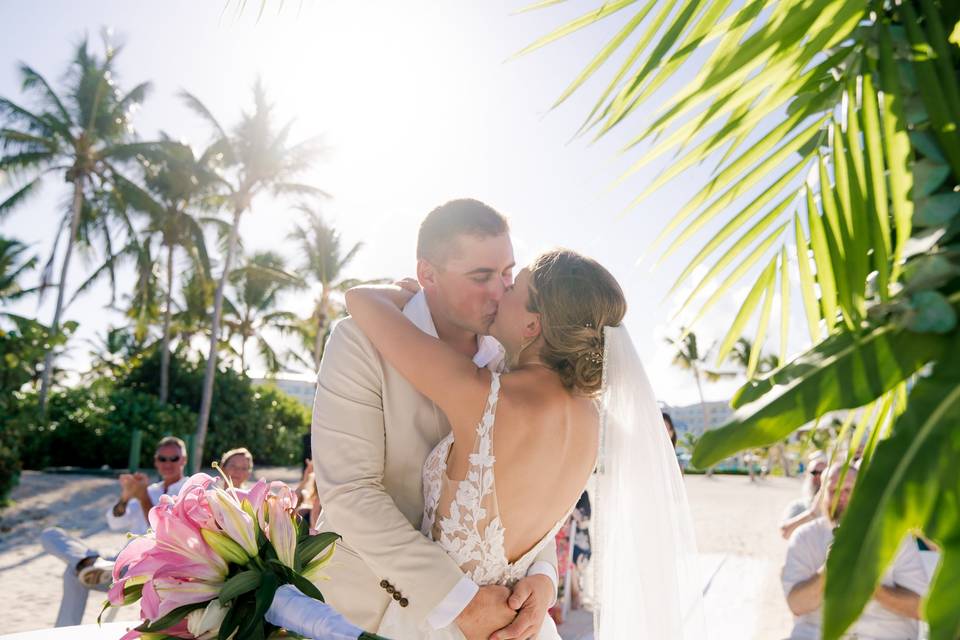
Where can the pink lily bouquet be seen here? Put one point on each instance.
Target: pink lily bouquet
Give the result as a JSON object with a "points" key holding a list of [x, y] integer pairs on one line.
{"points": [[214, 559]]}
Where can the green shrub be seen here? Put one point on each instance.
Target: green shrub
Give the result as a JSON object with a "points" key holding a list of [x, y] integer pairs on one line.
{"points": [[92, 426], [22, 349], [265, 420]]}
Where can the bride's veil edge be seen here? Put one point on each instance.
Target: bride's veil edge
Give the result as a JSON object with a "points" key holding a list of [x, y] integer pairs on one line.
{"points": [[646, 574]]}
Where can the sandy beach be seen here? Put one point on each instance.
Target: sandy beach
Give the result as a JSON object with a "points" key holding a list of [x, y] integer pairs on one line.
{"points": [[736, 523]]}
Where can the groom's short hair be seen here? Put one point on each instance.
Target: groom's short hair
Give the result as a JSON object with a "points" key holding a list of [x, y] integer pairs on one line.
{"points": [[447, 222]]}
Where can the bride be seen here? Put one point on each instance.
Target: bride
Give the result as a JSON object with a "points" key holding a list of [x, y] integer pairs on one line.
{"points": [[524, 443]]}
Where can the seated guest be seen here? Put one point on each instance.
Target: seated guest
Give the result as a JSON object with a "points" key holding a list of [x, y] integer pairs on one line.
{"points": [[893, 612], [807, 507], [237, 464], [137, 496], [308, 502], [86, 568]]}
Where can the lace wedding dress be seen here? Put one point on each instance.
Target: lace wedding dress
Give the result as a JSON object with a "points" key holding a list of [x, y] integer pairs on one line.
{"points": [[463, 517]]}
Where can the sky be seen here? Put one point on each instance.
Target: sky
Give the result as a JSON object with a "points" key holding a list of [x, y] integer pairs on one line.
{"points": [[417, 103]]}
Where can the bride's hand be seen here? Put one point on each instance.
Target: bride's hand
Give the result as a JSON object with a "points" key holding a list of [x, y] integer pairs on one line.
{"points": [[409, 284], [400, 292]]}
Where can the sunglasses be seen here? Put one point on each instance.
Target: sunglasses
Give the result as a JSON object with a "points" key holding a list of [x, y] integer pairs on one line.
{"points": [[816, 472], [166, 459]]}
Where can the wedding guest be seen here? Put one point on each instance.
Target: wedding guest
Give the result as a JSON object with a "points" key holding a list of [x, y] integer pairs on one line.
{"points": [[668, 423], [894, 610], [238, 465], [86, 568], [308, 502], [581, 548], [137, 495], [807, 507]]}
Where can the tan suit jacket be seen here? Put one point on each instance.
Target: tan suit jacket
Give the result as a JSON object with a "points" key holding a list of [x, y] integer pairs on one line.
{"points": [[372, 432]]}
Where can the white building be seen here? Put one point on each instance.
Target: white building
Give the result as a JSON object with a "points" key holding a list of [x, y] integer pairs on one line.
{"points": [[301, 389], [690, 418]]}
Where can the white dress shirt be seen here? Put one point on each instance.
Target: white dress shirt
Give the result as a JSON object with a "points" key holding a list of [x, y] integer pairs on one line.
{"points": [[489, 354], [134, 520], [807, 552]]}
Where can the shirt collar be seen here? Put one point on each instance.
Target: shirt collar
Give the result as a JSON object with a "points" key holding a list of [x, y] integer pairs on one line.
{"points": [[417, 310]]}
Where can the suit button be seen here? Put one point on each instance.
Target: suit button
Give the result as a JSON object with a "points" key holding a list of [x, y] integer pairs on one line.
{"points": [[403, 602], [384, 584], [397, 596], [390, 588]]}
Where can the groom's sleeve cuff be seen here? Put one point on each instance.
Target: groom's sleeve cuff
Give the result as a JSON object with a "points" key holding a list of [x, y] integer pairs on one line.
{"points": [[454, 604], [544, 568]]}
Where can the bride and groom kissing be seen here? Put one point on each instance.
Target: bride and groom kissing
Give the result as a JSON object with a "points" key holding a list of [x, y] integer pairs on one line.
{"points": [[457, 421]]}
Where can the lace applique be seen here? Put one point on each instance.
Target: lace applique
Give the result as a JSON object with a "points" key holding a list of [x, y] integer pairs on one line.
{"points": [[468, 525]]}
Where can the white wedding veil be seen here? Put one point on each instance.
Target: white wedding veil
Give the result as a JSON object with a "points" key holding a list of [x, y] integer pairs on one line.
{"points": [[646, 578]]}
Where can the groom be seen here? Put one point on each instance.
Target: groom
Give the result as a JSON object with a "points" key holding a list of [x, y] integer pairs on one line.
{"points": [[372, 432]]}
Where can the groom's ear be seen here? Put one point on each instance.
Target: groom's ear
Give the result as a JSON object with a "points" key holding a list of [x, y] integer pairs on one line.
{"points": [[426, 273]]}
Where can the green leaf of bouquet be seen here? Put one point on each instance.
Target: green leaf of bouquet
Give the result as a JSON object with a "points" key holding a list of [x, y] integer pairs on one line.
{"points": [[266, 591], [902, 489], [232, 620], [305, 586], [170, 619], [845, 371], [239, 584], [310, 549], [303, 530]]}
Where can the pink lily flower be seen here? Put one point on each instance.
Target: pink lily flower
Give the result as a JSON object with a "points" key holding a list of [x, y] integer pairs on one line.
{"points": [[234, 520], [168, 590], [282, 532], [179, 542]]}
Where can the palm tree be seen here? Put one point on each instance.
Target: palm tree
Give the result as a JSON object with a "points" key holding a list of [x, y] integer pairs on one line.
{"points": [[834, 130], [257, 286], [750, 360], [258, 158], [82, 136], [178, 182], [13, 265], [196, 300], [324, 261], [113, 352], [689, 357]]}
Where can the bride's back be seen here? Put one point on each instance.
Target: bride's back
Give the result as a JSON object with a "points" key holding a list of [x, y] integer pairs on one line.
{"points": [[545, 441]]}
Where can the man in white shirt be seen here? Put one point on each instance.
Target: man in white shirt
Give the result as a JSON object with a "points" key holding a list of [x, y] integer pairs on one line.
{"points": [[137, 496], [894, 611], [86, 569]]}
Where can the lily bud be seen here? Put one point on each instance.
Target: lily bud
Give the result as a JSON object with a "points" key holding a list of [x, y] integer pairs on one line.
{"points": [[225, 547]]}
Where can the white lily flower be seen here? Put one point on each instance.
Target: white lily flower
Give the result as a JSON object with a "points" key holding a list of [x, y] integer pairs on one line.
{"points": [[205, 623]]}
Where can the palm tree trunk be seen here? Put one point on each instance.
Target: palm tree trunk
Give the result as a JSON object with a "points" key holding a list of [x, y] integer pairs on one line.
{"points": [[165, 340], [61, 289], [243, 353], [207, 399]]}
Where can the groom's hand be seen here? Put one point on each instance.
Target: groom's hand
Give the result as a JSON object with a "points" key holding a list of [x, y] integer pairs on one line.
{"points": [[486, 613], [531, 598]]}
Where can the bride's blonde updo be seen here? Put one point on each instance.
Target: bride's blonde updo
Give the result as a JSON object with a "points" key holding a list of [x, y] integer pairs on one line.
{"points": [[576, 298]]}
